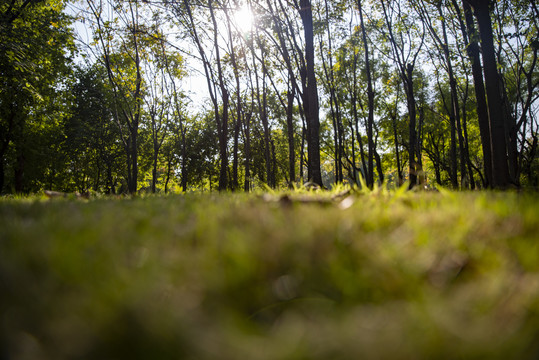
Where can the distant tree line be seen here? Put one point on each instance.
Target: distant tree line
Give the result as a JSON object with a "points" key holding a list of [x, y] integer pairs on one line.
{"points": [[349, 91]]}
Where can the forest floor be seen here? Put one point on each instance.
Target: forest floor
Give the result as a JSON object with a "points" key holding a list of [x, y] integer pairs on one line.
{"points": [[366, 275]]}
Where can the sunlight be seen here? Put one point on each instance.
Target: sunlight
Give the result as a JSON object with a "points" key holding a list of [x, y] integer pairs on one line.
{"points": [[243, 18]]}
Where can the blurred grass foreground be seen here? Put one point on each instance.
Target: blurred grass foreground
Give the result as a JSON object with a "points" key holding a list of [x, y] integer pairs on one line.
{"points": [[374, 276]]}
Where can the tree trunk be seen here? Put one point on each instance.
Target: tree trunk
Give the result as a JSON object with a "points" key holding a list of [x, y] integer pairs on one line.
{"points": [[134, 123], [184, 160], [222, 121], [273, 181], [265, 125], [454, 111], [290, 133], [358, 135], [312, 108], [406, 63], [410, 99], [370, 95], [237, 121], [379, 167], [169, 171], [302, 160], [397, 155], [498, 144], [223, 137], [235, 158], [469, 34], [154, 172], [466, 145], [247, 145], [511, 137], [354, 102], [334, 102], [133, 157]]}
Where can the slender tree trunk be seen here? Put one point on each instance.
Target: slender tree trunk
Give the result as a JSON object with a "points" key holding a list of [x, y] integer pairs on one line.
{"points": [[265, 125], [222, 121], [466, 147], [454, 111], [262, 110], [235, 158], [129, 164], [419, 147], [393, 116], [312, 109], [273, 165], [352, 172], [237, 121], [361, 147], [358, 136], [511, 136], [293, 89], [134, 123], [302, 160], [410, 98], [154, 172], [184, 160], [500, 168], [223, 137], [156, 146], [211, 90], [397, 155], [354, 101], [434, 156], [469, 34], [462, 153], [290, 133], [247, 145], [134, 163], [406, 63], [169, 171], [379, 167], [334, 101], [370, 95]]}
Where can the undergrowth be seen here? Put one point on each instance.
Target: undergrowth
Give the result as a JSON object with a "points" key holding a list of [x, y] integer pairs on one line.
{"points": [[347, 274]]}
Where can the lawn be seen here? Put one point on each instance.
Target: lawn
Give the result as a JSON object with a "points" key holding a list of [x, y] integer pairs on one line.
{"points": [[370, 275]]}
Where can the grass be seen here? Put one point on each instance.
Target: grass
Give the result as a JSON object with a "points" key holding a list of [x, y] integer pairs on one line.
{"points": [[378, 275]]}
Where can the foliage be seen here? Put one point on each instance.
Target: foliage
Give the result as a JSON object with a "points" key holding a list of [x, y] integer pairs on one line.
{"points": [[377, 275], [92, 136], [36, 44], [125, 120]]}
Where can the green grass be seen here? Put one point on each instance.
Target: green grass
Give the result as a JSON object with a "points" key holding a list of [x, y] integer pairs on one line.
{"points": [[379, 276]]}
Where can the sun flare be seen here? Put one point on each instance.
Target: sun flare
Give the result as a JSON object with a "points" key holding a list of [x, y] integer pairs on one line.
{"points": [[243, 18]]}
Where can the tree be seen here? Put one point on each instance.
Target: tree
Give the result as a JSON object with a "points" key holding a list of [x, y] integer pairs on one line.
{"points": [[500, 167], [472, 49], [370, 95], [442, 43], [518, 67], [124, 73], [406, 48], [314, 90], [35, 48], [311, 104], [94, 159]]}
